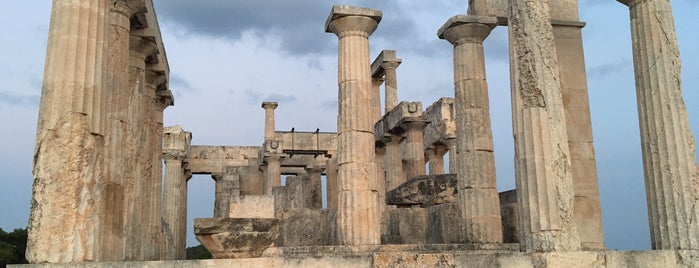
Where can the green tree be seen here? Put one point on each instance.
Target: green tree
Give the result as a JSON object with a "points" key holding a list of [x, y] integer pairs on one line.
{"points": [[12, 247], [198, 253]]}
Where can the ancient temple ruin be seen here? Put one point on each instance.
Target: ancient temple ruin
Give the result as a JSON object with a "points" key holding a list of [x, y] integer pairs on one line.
{"points": [[100, 194]]}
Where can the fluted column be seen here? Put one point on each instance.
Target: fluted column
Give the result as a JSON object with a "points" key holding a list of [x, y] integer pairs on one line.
{"points": [[414, 144], [175, 192], [358, 213], [331, 186], [269, 119], [273, 174], [394, 162], [435, 157], [68, 205], [543, 170], [669, 161], [376, 98], [315, 192], [451, 148], [478, 193], [227, 190], [391, 84]]}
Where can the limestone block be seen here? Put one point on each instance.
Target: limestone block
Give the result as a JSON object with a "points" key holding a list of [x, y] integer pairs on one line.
{"points": [[443, 224], [566, 10], [409, 259], [393, 119], [307, 140], [510, 216], [425, 191], [442, 124], [409, 224], [236, 238], [253, 206], [306, 227], [355, 147]]}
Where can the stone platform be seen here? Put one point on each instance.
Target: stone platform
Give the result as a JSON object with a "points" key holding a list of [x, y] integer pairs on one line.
{"points": [[462, 255]]}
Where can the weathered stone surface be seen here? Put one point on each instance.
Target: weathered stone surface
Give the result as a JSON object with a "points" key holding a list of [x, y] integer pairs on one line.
{"points": [[408, 225], [425, 191], [444, 224], [213, 159], [566, 10], [542, 163], [510, 216], [236, 238], [176, 143], [253, 206], [307, 227], [668, 146]]}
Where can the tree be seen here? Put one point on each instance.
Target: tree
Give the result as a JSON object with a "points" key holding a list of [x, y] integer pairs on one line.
{"points": [[198, 253], [12, 247]]}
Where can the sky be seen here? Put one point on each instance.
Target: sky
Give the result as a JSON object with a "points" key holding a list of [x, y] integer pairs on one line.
{"points": [[226, 57]]}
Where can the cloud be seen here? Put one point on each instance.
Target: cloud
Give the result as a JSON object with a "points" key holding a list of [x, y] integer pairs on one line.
{"points": [[15, 99]]}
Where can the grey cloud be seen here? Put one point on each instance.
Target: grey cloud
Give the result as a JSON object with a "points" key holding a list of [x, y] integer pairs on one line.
{"points": [[15, 99], [299, 23], [608, 69], [255, 98]]}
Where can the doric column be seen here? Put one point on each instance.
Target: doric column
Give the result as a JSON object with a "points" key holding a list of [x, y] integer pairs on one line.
{"points": [[273, 175], [69, 206], [669, 161], [391, 85], [227, 191], [394, 162], [331, 182], [435, 157], [414, 144], [478, 193], [176, 142], [451, 148], [269, 119], [315, 193], [543, 171], [358, 213], [376, 98]]}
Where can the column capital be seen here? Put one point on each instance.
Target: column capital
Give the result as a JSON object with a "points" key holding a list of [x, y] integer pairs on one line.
{"points": [[176, 155], [627, 2], [377, 81], [414, 124], [314, 169], [270, 105], [142, 45], [462, 29], [348, 18]]}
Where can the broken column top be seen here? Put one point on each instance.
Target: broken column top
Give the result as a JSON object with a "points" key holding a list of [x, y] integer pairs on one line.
{"points": [[344, 11], [270, 105], [386, 56]]}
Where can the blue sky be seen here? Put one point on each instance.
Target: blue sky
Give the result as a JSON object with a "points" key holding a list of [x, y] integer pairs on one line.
{"points": [[226, 57]]}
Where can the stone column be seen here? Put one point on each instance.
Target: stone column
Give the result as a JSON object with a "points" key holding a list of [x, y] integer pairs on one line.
{"points": [[331, 182], [391, 86], [394, 162], [543, 171], [376, 98], [669, 161], [273, 175], [68, 206], [451, 148], [227, 190], [414, 144], [315, 193], [435, 158], [478, 193], [358, 213], [175, 192], [269, 119]]}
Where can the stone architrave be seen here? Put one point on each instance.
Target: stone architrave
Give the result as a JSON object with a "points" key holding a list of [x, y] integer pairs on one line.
{"points": [[478, 194], [69, 204], [669, 160], [542, 158], [358, 209], [175, 149]]}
